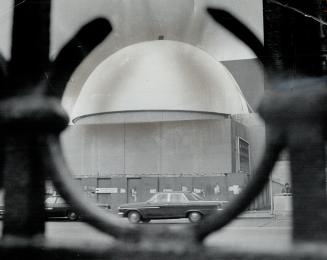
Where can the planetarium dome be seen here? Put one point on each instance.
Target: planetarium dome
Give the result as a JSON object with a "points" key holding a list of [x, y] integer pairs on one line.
{"points": [[158, 81]]}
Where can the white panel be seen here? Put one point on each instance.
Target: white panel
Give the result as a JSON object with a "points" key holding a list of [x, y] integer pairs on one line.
{"points": [[72, 146], [79, 146], [110, 149], [94, 149], [201, 147], [142, 148]]}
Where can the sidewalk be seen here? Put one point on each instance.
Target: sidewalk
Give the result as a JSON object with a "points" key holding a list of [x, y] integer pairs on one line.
{"points": [[257, 214], [286, 215]]}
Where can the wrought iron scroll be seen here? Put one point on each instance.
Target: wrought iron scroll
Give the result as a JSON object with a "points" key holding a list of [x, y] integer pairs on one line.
{"points": [[30, 109]]}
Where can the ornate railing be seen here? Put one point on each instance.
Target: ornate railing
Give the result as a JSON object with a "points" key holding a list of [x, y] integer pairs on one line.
{"points": [[31, 120]]}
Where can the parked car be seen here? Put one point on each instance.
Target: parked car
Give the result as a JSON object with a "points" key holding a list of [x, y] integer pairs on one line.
{"points": [[170, 205], [56, 207]]}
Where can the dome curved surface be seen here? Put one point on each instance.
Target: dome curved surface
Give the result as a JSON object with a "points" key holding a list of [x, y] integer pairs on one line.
{"points": [[159, 76]]}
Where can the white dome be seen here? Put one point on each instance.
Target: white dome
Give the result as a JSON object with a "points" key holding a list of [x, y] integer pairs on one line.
{"points": [[155, 80]]}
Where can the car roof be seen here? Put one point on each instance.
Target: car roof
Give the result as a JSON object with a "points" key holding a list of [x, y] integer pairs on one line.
{"points": [[174, 192]]}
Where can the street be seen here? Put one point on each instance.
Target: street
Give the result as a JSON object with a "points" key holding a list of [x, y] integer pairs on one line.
{"points": [[246, 233], [259, 234]]}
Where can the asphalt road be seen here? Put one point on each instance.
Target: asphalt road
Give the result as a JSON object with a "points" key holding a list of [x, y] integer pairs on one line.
{"points": [[259, 234], [253, 233]]}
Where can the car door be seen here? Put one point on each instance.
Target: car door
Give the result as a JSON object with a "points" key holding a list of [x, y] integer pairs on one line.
{"points": [[156, 207], [177, 205], [55, 207], [61, 207], [50, 208]]}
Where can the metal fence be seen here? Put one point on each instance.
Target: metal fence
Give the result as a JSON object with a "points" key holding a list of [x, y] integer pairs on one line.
{"points": [[31, 120]]}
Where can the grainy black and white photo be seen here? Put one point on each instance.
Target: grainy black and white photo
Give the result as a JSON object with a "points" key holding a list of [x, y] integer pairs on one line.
{"points": [[163, 129]]}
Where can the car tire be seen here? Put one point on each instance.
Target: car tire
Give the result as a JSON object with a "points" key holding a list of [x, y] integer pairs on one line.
{"points": [[146, 220], [134, 217], [72, 216], [194, 217]]}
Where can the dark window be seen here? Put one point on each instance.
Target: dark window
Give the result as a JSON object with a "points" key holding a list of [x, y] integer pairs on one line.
{"points": [[193, 196], [177, 198], [244, 156], [159, 198]]}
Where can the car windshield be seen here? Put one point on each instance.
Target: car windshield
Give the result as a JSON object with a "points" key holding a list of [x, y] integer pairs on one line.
{"points": [[50, 200], [61, 200], [55, 199], [193, 196]]}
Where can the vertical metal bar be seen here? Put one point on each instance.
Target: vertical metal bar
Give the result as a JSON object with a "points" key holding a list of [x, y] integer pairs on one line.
{"points": [[274, 36], [30, 44], [306, 37], [23, 176], [24, 187], [271, 195], [292, 40], [307, 154]]}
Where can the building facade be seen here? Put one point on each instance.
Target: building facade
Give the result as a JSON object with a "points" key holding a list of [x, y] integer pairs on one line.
{"points": [[162, 116]]}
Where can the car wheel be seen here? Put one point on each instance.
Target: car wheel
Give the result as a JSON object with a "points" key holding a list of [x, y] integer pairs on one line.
{"points": [[194, 217], [146, 220], [71, 215], [134, 217]]}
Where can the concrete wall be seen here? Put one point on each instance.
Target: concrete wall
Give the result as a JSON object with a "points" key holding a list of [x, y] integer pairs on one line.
{"points": [[195, 155], [169, 148], [201, 147]]}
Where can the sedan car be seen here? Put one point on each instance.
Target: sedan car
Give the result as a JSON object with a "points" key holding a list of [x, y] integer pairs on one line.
{"points": [[170, 205], [56, 207]]}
